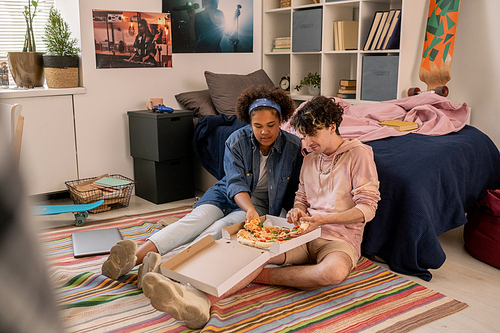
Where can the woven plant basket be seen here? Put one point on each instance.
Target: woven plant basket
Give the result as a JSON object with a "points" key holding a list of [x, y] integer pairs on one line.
{"points": [[285, 3], [61, 71]]}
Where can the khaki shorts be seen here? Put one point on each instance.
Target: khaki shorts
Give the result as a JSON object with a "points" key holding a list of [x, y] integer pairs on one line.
{"points": [[316, 250]]}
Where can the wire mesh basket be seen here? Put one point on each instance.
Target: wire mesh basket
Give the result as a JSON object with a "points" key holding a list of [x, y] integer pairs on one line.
{"points": [[84, 191], [285, 3]]}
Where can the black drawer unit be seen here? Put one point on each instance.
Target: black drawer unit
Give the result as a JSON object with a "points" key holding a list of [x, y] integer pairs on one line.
{"points": [[160, 144]]}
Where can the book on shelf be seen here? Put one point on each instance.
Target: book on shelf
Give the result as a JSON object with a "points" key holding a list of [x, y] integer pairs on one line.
{"points": [[349, 33], [387, 24], [282, 44], [347, 82], [400, 125], [336, 36], [346, 96], [391, 40], [111, 182], [375, 23], [282, 40], [379, 31], [384, 33], [347, 91], [345, 35]]}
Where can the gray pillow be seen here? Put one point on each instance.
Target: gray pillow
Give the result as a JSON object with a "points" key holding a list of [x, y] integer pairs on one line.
{"points": [[198, 101], [226, 88]]}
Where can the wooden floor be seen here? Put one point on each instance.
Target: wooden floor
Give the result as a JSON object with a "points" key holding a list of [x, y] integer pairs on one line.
{"points": [[462, 277]]}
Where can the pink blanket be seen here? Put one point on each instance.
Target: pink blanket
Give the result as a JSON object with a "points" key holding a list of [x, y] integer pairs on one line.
{"points": [[434, 114]]}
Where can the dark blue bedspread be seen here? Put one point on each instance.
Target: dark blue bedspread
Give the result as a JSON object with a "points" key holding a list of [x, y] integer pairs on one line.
{"points": [[209, 137], [427, 183]]}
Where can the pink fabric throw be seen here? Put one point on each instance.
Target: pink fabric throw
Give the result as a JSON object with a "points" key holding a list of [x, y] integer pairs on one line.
{"points": [[435, 115]]}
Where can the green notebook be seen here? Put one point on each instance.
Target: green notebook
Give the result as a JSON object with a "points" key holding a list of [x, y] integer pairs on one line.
{"points": [[111, 182]]}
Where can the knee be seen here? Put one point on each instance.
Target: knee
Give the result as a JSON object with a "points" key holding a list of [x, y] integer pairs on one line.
{"points": [[332, 277], [332, 274]]}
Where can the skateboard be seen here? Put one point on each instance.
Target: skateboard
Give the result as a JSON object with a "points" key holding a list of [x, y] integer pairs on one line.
{"points": [[79, 210], [438, 46]]}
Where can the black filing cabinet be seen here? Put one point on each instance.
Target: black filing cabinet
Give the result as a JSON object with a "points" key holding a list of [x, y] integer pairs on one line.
{"points": [[160, 144]]}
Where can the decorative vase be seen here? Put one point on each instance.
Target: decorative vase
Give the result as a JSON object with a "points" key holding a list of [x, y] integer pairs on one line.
{"points": [[26, 68], [61, 71], [313, 91]]}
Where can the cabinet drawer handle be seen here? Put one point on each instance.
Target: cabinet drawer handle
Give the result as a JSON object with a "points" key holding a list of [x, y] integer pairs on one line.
{"points": [[175, 118]]}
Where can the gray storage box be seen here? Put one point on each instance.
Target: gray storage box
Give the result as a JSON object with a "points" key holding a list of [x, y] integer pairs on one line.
{"points": [[160, 136], [161, 182], [379, 81], [307, 29]]}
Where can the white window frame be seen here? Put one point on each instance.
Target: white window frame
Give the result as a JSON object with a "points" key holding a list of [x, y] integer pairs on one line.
{"points": [[13, 27]]}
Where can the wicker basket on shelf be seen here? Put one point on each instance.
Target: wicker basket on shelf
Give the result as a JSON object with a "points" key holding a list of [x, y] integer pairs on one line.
{"points": [[285, 3]]}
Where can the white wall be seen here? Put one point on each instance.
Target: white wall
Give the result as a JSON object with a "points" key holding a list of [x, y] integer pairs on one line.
{"points": [[475, 71], [101, 113]]}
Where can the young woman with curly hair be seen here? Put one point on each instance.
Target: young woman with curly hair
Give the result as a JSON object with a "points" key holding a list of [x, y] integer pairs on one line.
{"points": [[262, 165]]}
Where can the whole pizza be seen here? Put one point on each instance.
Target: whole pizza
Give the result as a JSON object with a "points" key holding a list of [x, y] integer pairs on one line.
{"points": [[254, 233]]}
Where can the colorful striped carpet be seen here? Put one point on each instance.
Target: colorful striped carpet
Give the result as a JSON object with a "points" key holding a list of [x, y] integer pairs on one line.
{"points": [[372, 299]]}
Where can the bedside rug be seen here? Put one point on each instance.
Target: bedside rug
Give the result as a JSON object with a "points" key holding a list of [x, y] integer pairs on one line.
{"points": [[372, 298]]}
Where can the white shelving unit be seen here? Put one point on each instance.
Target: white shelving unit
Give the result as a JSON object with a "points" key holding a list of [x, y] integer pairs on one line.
{"points": [[335, 65]]}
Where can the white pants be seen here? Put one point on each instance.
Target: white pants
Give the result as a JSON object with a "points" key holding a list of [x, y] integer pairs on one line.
{"points": [[203, 220]]}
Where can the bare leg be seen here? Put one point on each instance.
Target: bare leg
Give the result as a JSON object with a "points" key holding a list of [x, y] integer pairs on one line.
{"points": [[334, 269], [143, 250]]}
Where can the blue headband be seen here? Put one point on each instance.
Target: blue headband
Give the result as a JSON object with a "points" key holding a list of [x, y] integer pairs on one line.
{"points": [[264, 102]]}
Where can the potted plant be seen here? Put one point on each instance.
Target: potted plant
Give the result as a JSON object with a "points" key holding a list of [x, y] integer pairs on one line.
{"points": [[61, 60], [26, 67], [312, 81]]}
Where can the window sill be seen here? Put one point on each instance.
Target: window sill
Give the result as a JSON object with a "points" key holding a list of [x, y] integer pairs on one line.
{"points": [[39, 92]]}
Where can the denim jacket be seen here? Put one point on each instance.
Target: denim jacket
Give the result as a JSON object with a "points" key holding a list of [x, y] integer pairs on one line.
{"points": [[242, 167]]}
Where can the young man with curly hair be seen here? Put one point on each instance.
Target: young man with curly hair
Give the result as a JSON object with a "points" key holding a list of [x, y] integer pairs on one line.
{"points": [[338, 191], [261, 164]]}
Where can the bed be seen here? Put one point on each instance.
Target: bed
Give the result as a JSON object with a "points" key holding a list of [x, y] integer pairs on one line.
{"points": [[429, 178]]}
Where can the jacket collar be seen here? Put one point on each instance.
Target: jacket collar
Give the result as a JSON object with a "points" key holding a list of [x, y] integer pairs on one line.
{"points": [[277, 144]]}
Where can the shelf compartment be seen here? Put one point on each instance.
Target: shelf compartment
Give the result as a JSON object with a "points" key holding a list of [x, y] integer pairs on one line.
{"points": [[337, 66], [301, 65], [277, 65], [276, 24], [339, 12]]}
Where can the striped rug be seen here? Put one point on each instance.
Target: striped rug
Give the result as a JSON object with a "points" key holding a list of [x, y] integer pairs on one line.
{"points": [[372, 299]]}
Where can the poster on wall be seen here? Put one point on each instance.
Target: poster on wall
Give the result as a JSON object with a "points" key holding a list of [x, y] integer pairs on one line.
{"points": [[210, 26], [132, 39]]}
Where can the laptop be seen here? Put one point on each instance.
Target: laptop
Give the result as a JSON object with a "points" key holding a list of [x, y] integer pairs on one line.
{"points": [[94, 242]]}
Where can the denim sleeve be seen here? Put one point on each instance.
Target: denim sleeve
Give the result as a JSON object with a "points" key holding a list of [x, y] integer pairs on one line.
{"points": [[237, 178]]}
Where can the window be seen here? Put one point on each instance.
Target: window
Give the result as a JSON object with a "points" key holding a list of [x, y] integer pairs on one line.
{"points": [[13, 26]]}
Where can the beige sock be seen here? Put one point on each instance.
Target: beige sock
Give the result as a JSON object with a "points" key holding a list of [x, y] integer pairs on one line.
{"points": [[264, 277]]}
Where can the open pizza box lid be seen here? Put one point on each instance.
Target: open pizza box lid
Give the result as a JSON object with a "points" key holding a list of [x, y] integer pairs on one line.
{"points": [[216, 266]]}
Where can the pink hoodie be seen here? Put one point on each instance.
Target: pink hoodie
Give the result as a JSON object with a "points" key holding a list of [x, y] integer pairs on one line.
{"points": [[351, 182]]}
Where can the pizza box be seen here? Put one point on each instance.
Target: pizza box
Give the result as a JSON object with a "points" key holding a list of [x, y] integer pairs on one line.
{"points": [[216, 266]]}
